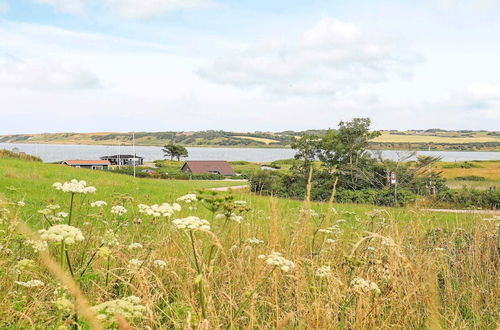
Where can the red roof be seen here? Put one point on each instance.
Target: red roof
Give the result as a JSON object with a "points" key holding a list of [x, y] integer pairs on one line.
{"points": [[86, 162], [208, 166]]}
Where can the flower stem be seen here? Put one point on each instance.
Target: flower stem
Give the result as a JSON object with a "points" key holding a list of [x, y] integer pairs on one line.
{"points": [[61, 260], [71, 208]]}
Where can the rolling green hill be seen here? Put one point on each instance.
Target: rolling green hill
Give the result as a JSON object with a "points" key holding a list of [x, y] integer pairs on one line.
{"points": [[434, 139]]}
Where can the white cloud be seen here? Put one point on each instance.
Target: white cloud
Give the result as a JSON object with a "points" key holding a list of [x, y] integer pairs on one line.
{"points": [[52, 75], [4, 7], [142, 8], [126, 8], [66, 6], [330, 56]]}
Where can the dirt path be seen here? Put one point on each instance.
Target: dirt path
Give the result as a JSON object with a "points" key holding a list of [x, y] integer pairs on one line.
{"points": [[494, 212], [229, 188]]}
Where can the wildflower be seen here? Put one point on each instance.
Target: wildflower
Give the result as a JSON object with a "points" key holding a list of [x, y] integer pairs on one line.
{"points": [[387, 241], [36, 245], [261, 256], [277, 259], [362, 286], [254, 241], [160, 264], [21, 204], [309, 212], [25, 265], [240, 203], [188, 198], [104, 252], [330, 241], [31, 283], [220, 216], [62, 233], [323, 271], [163, 210], [62, 214], [371, 249], [341, 220], [98, 204], [192, 223], [118, 210], [236, 218], [135, 263], [129, 308], [75, 187], [109, 238], [332, 230], [134, 246]]}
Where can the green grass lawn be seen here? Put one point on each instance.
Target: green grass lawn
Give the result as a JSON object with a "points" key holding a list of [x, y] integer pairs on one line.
{"points": [[32, 182]]}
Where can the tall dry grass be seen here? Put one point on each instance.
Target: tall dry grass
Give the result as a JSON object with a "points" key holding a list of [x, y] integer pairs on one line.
{"points": [[426, 276]]}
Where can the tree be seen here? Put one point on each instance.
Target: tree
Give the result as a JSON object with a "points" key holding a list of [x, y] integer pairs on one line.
{"points": [[174, 151]]}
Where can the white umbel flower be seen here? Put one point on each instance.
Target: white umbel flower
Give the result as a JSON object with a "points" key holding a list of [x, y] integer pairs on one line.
{"points": [[323, 271], [163, 210], [118, 210], [62, 233], [129, 308], [277, 259], [188, 198], [160, 264], [191, 223], [135, 246], [31, 283], [98, 204], [362, 286], [254, 241], [75, 187]]}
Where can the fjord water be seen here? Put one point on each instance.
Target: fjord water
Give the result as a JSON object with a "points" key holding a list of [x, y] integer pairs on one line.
{"points": [[58, 152]]}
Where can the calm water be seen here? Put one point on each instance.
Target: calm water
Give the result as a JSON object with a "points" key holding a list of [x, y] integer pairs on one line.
{"points": [[57, 152]]}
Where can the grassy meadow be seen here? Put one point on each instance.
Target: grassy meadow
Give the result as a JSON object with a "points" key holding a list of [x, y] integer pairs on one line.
{"points": [[341, 265]]}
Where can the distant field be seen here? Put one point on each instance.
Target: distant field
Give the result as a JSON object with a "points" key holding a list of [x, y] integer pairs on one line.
{"points": [[266, 141], [414, 140], [387, 137]]}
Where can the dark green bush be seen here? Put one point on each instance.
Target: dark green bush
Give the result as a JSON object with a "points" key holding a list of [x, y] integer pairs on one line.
{"points": [[470, 178], [471, 198]]}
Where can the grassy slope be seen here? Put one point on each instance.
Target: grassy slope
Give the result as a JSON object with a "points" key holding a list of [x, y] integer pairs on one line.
{"points": [[32, 181], [487, 169], [443, 138], [409, 297]]}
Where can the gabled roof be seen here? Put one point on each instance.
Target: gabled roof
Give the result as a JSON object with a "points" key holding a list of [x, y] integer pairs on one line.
{"points": [[209, 166], [86, 162]]}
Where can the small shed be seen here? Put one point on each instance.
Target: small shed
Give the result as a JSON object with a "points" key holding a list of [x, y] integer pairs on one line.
{"points": [[90, 164], [221, 167]]}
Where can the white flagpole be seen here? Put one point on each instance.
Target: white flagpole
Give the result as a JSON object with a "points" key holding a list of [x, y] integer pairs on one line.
{"points": [[133, 147]]}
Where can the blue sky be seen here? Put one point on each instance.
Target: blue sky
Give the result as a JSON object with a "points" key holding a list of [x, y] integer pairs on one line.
{"points": [[157, 65]]}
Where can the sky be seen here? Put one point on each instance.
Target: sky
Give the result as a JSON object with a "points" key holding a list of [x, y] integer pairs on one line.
{"points": [[247, 65]]}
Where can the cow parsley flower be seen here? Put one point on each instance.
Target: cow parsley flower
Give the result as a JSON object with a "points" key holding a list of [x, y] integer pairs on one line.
{"points": [[236, 218], [62, 233], [160, 264], [191, 223], [163, 210], [129, 308], [21, 204], [323, 271], [36, 245], [135, 246], [109, 238], [254, 241], [277, 259], [240, 203], [31, 283], [188, 198], [75, 187], [25, 265], [362, 286], [98, 204], [118, 210], [134, 263]]}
